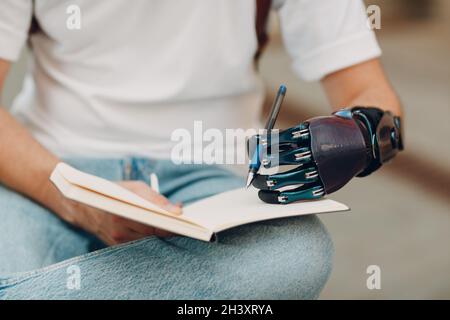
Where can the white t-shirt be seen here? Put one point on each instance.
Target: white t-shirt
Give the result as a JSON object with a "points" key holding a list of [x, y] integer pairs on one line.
{"points": [[137, 70]]}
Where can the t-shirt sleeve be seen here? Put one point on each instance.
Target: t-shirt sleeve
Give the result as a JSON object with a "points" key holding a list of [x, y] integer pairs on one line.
{"points": [[15, 19], [326, 36]]}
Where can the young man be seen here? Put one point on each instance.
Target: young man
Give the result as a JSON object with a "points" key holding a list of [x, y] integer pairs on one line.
{"points": [[105, 97]]}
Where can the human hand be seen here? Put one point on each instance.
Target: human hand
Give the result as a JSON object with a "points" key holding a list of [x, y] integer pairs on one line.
{"points": [[113, 229]]}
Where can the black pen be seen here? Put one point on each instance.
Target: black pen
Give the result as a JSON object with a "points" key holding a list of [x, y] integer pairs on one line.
{"points": [[256, 161]]}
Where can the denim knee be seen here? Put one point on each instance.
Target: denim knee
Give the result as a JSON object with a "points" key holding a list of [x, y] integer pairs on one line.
{"points": [[282, 259], [32, 237], [279, 259], [313, 247]]}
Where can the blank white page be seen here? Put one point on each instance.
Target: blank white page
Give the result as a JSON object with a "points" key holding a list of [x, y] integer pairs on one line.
{"points": [[242, 206]]}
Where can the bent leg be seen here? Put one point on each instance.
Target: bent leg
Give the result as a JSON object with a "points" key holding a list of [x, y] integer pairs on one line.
{"points": [[280, 259], [32, 237], [287, 258]]}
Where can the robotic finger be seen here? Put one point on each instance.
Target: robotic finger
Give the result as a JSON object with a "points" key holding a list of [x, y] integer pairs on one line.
{"points": [[304, 192], [327, 152], [293, 177]]}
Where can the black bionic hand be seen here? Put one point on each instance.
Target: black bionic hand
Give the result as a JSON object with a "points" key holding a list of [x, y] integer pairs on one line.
{"points": [[327, 152]]}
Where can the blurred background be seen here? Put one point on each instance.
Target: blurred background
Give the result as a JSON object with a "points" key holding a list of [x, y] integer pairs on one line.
{"points": [[400, 218]]}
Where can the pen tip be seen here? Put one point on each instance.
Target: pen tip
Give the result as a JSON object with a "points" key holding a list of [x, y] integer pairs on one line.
{"points": [[250, 179], [283, 89]]}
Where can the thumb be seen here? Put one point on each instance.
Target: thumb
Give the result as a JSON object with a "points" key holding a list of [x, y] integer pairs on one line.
{"points": [[174, 208], [161, 201], [144, 191]]}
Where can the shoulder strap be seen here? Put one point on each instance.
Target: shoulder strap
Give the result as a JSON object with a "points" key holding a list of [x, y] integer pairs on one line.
{"points": [[262, 15]]}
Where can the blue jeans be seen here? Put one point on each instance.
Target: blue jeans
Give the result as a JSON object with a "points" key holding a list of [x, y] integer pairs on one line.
{"points": [[40, 254]]}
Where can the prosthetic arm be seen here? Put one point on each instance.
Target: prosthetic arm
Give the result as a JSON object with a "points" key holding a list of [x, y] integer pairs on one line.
{"points": [[327, 152]]}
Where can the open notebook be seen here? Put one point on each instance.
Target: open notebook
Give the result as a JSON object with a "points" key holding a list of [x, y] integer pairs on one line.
{"points": [[200, 220]]}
